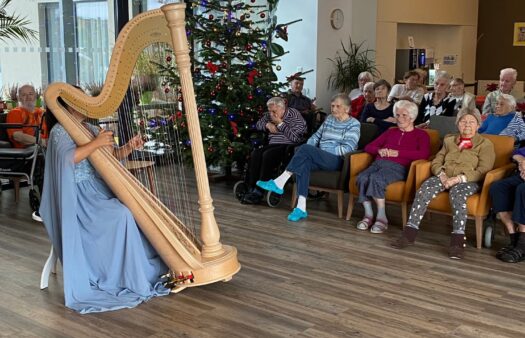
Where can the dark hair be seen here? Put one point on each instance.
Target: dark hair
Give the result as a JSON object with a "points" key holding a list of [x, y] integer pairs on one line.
{"points": [[410, 73], [51, 120], [382, 82]]}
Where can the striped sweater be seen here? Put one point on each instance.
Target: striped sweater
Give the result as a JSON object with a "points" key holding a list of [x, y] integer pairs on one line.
{"points": [[291, 131], [337, 137], [511, 124]]}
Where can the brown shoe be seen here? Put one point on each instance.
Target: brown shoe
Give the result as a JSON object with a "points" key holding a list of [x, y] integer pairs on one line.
{"points": [[408, 237], [457, 246]]}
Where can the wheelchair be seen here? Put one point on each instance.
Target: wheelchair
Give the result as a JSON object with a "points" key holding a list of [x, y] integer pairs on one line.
{"points": [[270, 198], [26, 163]]}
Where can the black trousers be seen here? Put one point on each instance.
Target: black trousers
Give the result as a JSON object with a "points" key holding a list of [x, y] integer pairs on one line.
{"points": [[265, 161], [508, 194]]}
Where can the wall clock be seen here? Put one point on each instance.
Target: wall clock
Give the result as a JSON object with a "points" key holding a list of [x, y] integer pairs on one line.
{"points": [[337, 18]]}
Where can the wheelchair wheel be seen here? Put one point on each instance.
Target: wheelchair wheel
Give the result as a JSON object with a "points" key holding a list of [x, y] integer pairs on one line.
{"points": [[273, 199], [34, 199], [240, 189], [488, 237]]}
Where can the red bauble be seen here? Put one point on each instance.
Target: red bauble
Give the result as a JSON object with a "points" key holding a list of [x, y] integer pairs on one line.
{"points": [[213, 93], [242, 17], [210, 149], [166, 90], [207, 43], [211, 17], [250, 97], [168, 58], [248, 47], [263, 15], [200, 109]]}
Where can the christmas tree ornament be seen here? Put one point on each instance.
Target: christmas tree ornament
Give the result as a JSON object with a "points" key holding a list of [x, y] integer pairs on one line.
{"points": [[278, 67], [211, 17], [262, 15]]}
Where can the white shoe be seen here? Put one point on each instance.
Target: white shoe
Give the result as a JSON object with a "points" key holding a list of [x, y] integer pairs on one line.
{"points": [[36, 216]]}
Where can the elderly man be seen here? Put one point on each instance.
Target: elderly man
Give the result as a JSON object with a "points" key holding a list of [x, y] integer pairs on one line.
{"points": [[305, 105], [285, 126], [507, 80], [26, 113]]}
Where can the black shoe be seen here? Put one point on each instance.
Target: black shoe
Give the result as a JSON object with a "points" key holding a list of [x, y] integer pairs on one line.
{"points": [[251, 198]]}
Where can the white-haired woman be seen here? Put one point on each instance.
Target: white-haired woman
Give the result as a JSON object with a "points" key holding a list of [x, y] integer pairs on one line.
{"points": [[395, 149], [458, 167], [357, 105], [436, 102], [507, 80], [505, 120]]}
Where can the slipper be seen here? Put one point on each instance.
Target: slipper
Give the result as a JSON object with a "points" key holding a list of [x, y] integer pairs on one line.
{"points": [[379, 227], [365, 223], [297, 215], [515, 255], [270, 186]]}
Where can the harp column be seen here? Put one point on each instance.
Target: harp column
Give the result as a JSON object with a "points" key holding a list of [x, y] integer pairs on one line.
{"points": [[210, 234]]}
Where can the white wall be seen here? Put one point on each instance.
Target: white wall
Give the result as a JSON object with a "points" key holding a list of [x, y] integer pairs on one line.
{"points": [[302, 41], [19, 61]]}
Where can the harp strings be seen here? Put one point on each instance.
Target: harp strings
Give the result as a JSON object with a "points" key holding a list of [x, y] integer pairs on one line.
{"points": [[151, 112]]}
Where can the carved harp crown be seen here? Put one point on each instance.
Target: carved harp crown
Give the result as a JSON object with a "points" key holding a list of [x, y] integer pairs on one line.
{"points": [[204, 260]]}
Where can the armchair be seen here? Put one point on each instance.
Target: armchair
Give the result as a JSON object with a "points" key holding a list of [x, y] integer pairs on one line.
{"points": [[400, 192], [337, 181], [478, 205]]}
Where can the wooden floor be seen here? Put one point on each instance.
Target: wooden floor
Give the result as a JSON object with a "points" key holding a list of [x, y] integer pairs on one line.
{"points": [[315, 278]]}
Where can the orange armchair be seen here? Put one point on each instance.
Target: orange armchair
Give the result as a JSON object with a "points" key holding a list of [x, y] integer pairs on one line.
{"points": [[400, 192], [478, 205]]}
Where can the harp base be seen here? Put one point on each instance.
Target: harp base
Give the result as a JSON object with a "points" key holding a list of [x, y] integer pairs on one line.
{"points": [[217, 269]]}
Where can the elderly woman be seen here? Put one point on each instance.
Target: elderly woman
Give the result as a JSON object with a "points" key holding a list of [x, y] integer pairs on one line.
{"points": [[395, 149], [508, 201], [325, 150], [381, 111], [458, 167], [507, 80], [435, 103], [357, 105], [461, 98], [505, 120], [285, 126], [410, 90]]}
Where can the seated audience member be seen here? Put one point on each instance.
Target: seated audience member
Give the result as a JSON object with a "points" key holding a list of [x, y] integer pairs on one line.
{"points": [[435, 103], [295, 99], [507, 80], [362, 79], [26, 113], [461, 98], [409, 90], [505, 120], [285, 126], [395, 150], [508, 200], [458, 167], [357, 105], [381, 111], [325, 150]]}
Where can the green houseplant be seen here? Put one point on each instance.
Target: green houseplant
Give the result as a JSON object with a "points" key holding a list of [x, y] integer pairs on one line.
{"points": [[13, 26], [348, 64]]}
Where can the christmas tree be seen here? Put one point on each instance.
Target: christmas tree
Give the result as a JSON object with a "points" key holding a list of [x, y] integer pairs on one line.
{"points": [[234, 52]]}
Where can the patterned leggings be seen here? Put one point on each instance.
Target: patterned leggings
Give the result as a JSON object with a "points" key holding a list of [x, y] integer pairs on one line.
{"points": [[458, 200]]}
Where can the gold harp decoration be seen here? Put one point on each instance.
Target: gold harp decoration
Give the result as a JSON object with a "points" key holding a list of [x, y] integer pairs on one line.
{"points": [[186, 257]]}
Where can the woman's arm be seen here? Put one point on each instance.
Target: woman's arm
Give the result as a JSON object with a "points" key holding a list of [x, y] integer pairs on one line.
{"points": [[135, 143], [103, 139]]}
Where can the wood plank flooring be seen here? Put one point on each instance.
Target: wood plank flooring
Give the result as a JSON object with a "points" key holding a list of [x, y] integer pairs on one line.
{"points": [[316, 278]]}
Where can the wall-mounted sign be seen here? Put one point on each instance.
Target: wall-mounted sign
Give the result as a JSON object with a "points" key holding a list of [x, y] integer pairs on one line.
{"points": [[449, 59], [519, 34]]}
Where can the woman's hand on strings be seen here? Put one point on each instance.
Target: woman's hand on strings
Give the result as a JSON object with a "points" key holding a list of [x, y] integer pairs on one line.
{"points": [[104, 139], [136, 142]]}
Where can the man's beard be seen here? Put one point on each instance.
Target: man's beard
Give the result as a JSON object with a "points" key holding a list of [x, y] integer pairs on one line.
{"points": [[29, 106]]}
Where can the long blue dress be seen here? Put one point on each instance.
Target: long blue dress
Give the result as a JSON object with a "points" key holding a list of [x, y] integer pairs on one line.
{"points": [[107, 262]]}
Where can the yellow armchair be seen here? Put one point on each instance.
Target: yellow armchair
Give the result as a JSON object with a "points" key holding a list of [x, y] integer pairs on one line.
{"points": [[478, 205], [400, 192]]}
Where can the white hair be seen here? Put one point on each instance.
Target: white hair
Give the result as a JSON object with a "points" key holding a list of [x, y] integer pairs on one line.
{"points": [[368, 84], [365, 75], [277, 101], [510, 100], [410, 107], [509, 71], [442, 75]]}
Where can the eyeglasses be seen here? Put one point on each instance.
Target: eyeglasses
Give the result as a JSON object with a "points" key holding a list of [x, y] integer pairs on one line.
{"points": [[464, 122]]}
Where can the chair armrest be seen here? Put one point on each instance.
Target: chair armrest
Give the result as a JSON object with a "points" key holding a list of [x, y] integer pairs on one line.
{"points": [[491, 177], [359, 162], [410, 182], [345, 169], [423, 172]]}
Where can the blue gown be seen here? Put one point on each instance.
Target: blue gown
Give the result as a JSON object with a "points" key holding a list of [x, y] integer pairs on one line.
{"points": [[107, 262]]}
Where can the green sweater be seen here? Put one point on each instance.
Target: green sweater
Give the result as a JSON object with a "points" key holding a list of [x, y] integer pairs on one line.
{"points": [[474, 163]]}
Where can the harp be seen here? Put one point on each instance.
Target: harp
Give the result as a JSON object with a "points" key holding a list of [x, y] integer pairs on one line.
{"points": [[192, 261]]}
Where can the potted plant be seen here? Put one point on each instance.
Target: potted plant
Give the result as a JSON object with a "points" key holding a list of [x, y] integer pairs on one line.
{"points": [[348, 64], [12, 26]]}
